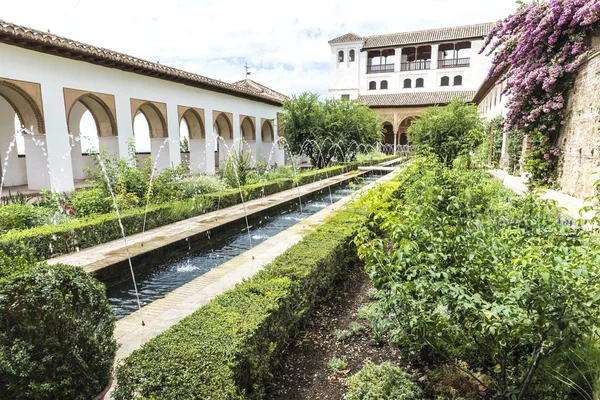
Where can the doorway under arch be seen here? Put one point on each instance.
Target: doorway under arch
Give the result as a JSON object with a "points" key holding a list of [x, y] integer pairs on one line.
{"points": [[248, 133], [91, 125], [192, 125], [22, 131], [267, 133], [150, 135], [222, 128]]}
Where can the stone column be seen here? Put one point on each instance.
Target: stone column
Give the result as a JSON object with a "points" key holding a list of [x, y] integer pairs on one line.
{"points": [[258, 142], [57, 139], [197, 155], [160, 150], [209, 143], [504, 151], [237, 144], [36, 161], [173, 156], [124, 123]]}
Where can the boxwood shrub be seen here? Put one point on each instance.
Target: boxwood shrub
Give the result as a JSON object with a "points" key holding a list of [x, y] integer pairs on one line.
{"points": [[53, 240], [56, 332], [228, 348]]}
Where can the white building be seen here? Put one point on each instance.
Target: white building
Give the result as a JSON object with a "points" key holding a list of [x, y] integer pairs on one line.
{"points": [[49, 82], [401, 74]]}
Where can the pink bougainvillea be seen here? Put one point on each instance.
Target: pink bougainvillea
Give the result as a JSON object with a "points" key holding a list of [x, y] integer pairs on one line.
{"points": [[537, 50]]}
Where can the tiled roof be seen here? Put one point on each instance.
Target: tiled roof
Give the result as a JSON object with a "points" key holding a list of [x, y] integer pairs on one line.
{"points": [[428, 36], [415, 98], [59, 46], [258, 88], [348, 37]]}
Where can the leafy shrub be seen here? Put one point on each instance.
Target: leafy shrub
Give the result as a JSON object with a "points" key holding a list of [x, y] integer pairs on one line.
{"points": [[465, 275], [91, 201], [202, 184], [17, 216], [229, 347], [167, 184], [337, 365], [236, 168], [449, 131], [382, 382], [451, 382], [56, 340], [53, 240]]}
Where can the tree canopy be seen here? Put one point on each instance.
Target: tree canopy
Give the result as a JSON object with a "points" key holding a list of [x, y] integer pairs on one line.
{"points": [[330, 128], [449, 131]]}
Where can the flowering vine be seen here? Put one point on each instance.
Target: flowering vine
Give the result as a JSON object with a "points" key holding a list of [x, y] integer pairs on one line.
{"points": [[537, 51]]}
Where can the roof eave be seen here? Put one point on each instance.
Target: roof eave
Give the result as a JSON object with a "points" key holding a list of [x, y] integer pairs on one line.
{"points": [[49, 48], [418, 43]]}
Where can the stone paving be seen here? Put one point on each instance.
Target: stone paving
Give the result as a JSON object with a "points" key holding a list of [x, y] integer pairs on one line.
{"points": [[571, 204]]}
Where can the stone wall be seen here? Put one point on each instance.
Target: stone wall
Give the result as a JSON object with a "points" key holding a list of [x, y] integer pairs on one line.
{"points": [[578, 139]]}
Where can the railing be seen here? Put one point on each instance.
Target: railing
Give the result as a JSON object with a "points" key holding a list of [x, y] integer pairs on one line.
{"points": [[374, 69], [454, 62], [415, 65]]}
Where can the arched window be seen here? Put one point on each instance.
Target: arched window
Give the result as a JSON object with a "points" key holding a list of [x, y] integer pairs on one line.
{"points": [[445, 81], [457, 80], [407, 84], [420, 82], [351, 56], [383, 85], [372, 85], [341, 56]]}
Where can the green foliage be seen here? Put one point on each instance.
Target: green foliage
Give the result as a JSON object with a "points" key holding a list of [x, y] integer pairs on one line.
{"points": [[229, 347], [382, 382], [542, 161], [236, 168], [56, 340], [184, 146], [17, 216], [465, 275], [515, 146], [313, 127], [497, 126], [337, 365], [449, 131], [17, 198], [202, 184], [91, 201], [53, 240]]}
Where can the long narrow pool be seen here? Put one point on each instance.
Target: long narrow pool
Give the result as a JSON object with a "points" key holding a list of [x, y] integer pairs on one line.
{"points": [[156, 281]]}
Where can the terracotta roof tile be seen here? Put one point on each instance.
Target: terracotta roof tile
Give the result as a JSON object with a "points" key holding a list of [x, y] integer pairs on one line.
{"points": [[428, 36], [415, 98], [258, 88], [348, 37], [59, 46]]}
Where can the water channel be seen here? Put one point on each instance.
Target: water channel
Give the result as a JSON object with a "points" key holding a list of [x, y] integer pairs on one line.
{"points": [[177, 268]]}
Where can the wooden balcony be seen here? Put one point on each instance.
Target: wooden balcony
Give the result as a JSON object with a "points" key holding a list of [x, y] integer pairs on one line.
{"points": [[454, 63], [376, 69], [417, 65]]}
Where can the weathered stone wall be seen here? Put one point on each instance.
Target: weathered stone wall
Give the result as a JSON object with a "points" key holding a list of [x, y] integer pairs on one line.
{"points": [[578, 139]]}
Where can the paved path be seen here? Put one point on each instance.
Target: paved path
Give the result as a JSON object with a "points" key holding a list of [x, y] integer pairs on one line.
{"points": [[104, 255], [570, 203]]}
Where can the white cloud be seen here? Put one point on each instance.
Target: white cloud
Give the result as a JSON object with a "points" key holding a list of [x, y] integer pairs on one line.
{"points": [[284, 42]]}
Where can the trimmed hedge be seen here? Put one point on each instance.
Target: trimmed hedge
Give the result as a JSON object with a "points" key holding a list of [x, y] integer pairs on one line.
{"points": [[228, 348], [53, 240], [56, 332]]}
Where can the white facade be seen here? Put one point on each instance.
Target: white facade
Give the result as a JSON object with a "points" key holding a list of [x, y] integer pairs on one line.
{"points": [[53, 160], [465, 69]]}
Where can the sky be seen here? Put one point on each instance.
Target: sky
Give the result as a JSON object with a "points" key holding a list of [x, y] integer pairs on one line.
{"points": [[284, 43]]}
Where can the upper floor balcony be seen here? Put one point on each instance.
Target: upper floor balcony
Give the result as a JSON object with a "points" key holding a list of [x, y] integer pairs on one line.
{"points": [[454, 62], [418, 58], [374, 69]]}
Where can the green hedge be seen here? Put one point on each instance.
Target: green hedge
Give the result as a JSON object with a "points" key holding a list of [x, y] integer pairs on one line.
{"points": [[53, 240], [228, 348]]}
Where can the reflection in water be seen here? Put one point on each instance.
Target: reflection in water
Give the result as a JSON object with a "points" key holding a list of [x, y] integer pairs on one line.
{"points": [[155, 282]]}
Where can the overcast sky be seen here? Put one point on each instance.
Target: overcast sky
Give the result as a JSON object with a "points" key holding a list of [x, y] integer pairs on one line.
{"points": [[284, 42]]}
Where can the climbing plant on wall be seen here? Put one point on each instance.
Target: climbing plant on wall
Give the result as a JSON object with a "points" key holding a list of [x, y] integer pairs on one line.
{"points": [[537, 51]]}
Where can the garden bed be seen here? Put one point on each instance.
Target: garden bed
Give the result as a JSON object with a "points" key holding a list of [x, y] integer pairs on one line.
{"points": [[306, 373], [53, 240]]}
